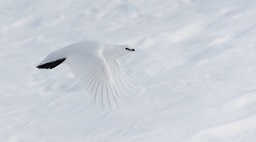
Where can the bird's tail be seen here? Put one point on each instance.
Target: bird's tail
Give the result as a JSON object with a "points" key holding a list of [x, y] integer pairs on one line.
{"points": [[52, 60]]}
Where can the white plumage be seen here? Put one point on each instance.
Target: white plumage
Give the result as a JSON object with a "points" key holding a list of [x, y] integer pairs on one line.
{"points": [[96, 65]]}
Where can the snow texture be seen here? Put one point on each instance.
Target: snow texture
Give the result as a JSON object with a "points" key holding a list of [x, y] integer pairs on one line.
{"points": [[194, 59]]}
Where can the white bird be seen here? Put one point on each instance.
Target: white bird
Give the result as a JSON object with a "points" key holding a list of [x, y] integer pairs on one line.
{"points": [[97, 66]]}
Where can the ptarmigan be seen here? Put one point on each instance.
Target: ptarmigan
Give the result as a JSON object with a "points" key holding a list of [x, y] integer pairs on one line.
{"points": [[96, 65]]}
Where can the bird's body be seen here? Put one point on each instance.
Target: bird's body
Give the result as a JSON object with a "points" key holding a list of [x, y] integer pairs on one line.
{"points": [[96, 65]]}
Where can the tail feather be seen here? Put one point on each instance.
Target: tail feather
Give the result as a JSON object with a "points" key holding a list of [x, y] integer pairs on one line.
{"points": [[51, 65]]}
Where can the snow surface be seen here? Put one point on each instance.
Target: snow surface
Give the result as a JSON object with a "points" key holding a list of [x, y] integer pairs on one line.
{"points": [[196, 60]]}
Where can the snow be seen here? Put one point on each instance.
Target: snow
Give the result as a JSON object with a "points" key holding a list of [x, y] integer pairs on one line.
{"points": [[195, 60]]}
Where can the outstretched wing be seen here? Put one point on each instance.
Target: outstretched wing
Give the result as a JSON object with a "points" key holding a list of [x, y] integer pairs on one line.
{"points": [[121, 80], [102, 77]]}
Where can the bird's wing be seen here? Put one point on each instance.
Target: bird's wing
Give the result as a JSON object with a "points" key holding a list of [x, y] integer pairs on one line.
{"points": [[119, 77], [103, 79]]}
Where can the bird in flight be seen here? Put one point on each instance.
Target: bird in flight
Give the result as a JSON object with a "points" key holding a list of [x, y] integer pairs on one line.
{"points": [[97, 66]]}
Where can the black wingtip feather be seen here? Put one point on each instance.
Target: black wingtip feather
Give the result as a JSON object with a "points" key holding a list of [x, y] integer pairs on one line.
{"points": [[51, 65]]}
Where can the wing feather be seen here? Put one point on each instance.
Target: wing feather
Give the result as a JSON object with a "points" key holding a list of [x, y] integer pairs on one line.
{"points": [[103, 78]]}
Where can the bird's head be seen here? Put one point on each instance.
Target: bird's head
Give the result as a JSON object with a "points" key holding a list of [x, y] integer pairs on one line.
{"points": [[122, 50], [126, 49]]}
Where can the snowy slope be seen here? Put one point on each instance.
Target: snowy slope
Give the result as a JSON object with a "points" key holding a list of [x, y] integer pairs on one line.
{"points": [[195, 60]]}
